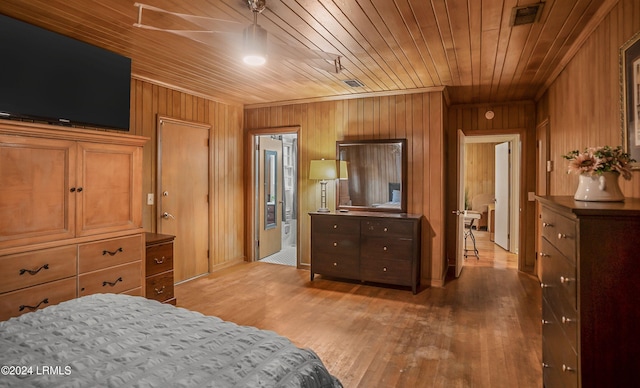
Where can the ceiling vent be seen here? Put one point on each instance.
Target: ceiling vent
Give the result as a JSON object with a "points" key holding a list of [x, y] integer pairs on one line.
{"points": [[527, 14], [354, 83]]}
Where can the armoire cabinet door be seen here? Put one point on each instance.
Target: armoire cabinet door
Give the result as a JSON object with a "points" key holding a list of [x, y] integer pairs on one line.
{"points": [[36, 200], [109, 179]]}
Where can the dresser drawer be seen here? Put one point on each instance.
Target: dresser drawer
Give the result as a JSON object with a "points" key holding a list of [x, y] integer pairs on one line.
{"points": [[111, 280], [336, 244], [387, 248], [382, 270], [159, 259], [13, 304], [559, 357], [387, 228], [559, 283], [160, 287], [561, 232], [37, 267], [336, 265], [106, 253], [335, 225]]}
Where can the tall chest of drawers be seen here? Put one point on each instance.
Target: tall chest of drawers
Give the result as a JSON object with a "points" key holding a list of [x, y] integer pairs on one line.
{"points": [[589, 258], [367, 246], [159, 267]]}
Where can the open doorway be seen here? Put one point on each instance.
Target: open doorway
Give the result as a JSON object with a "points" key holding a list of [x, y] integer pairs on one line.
{"points": [[489, 193], [275, 206]]}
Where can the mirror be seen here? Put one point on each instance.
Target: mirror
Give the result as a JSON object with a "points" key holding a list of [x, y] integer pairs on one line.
{"points": [[372, 175], [270, 188]]}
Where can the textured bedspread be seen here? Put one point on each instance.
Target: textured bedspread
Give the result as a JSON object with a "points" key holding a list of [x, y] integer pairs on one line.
{"points": [[117, 340]]}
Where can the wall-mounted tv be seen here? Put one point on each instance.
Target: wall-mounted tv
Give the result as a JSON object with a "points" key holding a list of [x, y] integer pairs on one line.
{"points": [[49, 77]]}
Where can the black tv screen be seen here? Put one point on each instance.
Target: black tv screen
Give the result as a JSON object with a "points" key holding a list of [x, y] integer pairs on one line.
{"points": [[50, 77]]}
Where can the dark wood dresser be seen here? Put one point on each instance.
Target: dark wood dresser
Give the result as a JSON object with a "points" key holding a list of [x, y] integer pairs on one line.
{"points": [[159, 267], [590, 269], [367, 246]]}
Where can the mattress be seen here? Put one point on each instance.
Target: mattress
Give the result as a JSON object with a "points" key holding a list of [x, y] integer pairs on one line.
{"points": [[118, 340]]}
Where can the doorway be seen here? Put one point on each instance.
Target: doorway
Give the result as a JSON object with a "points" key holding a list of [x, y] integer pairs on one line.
{"points": [[489, 165], [275, 210]]}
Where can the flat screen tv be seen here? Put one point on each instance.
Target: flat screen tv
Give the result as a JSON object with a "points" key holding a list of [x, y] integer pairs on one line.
{"points": [[50, 77]]}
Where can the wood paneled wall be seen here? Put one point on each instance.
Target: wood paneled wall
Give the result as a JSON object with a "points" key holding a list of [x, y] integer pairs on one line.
{"points": [[480, 169], [583, 103], [417, 117], [516, 117], [148, 101]]}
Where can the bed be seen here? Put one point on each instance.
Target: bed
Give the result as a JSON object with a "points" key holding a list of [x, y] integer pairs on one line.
{"points": [[118, 340]]}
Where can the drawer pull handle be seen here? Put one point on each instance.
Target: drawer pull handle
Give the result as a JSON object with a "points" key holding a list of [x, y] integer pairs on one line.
{"points": [[160, 291], [384, 269], [33, 271], [542, 254], [384, 248], [544, 365], [112, 253], [545, 322], [335, 244], [159, 261], [45, 301], [561, 236], [544, 285], [386, 230], [112, 283], [564, 280], [335, 226], [567, 320], [546, 225], [335, 264], [566, 368]]}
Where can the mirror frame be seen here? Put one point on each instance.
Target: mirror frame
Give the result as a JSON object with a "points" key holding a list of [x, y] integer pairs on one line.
{"points": [[402, 143]]}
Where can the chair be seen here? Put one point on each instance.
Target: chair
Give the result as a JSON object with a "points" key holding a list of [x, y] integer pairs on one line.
{"points": [[480, 203], [469, 217]]}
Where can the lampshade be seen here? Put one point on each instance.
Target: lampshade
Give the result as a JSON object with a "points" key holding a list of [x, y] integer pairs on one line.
{"points": [[344, 174], [322, 169], [255, 45]]}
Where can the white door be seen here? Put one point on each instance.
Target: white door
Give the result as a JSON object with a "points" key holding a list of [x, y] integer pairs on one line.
{"points": [[502, 195], [460, 211]]}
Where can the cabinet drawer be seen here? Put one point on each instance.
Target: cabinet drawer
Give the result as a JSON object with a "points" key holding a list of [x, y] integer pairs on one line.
{"points": [[28, 269], [561, 232], [13, 304], [335, 224], [387, 228], [559, 357], [160, 287], [106, 253], [159, 258], [336, 265], [111, 280], [558, 280], [382, 270], [335, 244], [387, 248]]}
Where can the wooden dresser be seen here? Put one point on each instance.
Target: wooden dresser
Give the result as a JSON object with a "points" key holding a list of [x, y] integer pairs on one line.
{"points": [[590, 266], [70, 215], [367, 246], [159, 267]]}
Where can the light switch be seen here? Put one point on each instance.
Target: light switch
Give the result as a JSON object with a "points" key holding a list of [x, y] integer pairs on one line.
{"points": [[150, 199]]}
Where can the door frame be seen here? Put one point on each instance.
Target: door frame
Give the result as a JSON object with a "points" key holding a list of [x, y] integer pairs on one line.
{"points": [[251, 195], [518, 186]]}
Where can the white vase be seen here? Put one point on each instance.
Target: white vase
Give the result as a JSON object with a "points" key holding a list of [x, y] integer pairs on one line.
{"points": [[599, 187]]}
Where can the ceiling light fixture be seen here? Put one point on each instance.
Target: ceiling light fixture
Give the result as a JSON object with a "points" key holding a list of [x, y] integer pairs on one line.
{"points": [[255, 37]]}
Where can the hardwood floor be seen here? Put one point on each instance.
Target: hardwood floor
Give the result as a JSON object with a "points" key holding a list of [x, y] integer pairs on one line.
{"points": [[481, 330], [490, 254]]}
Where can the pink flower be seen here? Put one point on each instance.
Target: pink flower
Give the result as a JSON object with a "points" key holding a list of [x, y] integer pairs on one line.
{"points": [[583, 163]]}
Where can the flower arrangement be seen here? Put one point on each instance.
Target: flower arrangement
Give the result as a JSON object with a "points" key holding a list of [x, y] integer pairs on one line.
{"points": [[596, 160]]}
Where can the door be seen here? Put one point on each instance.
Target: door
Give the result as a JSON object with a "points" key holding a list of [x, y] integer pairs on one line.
{"points": [[183, 200], [270, 194], [502, 183], [460, 211]]}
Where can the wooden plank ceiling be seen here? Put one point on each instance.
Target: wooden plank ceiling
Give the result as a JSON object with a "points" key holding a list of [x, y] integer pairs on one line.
{"points": [[388, 45]]}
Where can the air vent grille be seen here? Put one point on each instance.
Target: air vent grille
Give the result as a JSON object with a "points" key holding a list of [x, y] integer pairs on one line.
{"points": [[354, 83], [525, 15]]}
